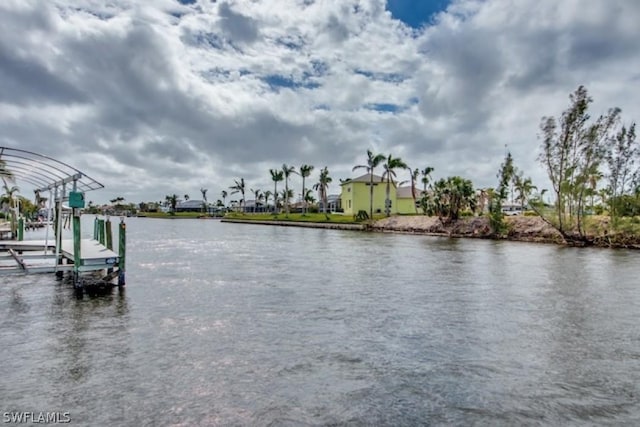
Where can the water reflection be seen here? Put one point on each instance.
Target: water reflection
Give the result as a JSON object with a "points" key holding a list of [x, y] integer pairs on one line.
{"points": [[232, 324]]}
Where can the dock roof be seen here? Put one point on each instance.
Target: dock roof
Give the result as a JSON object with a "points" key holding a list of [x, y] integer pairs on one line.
{"points": [[42, 172]]}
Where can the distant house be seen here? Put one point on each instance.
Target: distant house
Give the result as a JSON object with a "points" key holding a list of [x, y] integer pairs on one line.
{"points": [[189, 206], [407, 203], [355, 196], [333, 203]]}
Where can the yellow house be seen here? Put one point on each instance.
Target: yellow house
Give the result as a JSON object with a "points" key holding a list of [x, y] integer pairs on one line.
{"points": [[405, 201], [355, 196]]}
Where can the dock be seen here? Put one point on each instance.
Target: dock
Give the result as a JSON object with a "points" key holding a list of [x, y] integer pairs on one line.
{"points": [[65, 187]]}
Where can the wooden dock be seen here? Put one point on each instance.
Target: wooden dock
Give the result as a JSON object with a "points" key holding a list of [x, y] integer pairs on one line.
{"points": [[38, 256]]}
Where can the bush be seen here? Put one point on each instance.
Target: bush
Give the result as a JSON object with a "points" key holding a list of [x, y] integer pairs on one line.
{"points": [[530, 213], [313, 209]]}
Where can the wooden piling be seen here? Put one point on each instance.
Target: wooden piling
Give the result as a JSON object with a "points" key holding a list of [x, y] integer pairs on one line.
{"points": [[122, 250]]}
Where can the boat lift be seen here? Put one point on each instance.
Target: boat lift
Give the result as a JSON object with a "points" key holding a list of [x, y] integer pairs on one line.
{"points": [[64, 184]]}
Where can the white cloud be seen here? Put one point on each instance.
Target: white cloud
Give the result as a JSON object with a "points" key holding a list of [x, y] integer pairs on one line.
{"points": [[164, 98]]}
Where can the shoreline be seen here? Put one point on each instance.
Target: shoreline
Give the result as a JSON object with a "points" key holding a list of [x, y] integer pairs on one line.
{"points": [[281, 223], [520, 229]]}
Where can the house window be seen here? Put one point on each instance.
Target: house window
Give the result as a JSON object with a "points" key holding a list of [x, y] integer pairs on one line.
{"points": [[349, 204]]}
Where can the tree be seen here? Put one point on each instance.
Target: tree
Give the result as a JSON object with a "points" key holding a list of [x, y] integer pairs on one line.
{"points": [[414, 180], [257, 198], [390, 165], [424, 199], [573, 149], [204, 198], [276, 176], [308, 196], [505, 177], [267, 196], [287, 171], [172, 200], [524, 187], [239, 187], [321, 186], [224, 195], [305, 171], [621, 159], [286, 194], [372, 162], [451, 196]]}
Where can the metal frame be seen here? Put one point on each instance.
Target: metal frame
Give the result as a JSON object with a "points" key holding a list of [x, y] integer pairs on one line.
{"points": [[44, 172]]}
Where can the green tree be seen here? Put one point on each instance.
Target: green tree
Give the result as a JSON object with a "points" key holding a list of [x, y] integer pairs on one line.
{"points": [[286, 172], [425, 200], [505, 176], [451, 196], [372, 162], [305, 171], [390, 165], [239, 187], [524, 187], [573, 149], [321, 186], [622, 156], [276, 176], [172, 200], [267, 196], [224, 195]]}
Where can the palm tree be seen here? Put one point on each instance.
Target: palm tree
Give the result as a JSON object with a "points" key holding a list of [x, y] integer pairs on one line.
{"points": [[426, 177], [389, 167], [308, 196], [276, 176], [172, 200], [239, 188], [321, 186], [267, 196], [257, 198], [305, 171], [372, 163], [204, 198], [414, 180], [286, 171], [286, 195], [224, 195], [524, 188]]}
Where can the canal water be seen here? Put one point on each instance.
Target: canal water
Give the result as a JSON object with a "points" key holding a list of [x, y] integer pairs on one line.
{"points": [[233, 324]]}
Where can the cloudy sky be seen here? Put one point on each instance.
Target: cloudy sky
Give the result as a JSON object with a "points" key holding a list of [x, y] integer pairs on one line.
{"points": [[154, 97]]}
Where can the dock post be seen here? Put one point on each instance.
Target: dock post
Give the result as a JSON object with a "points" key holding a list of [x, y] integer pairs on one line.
{"points": [[95, 228], [122, 251], [77, 256], [101, 231], [20, 228], [109, 235]]}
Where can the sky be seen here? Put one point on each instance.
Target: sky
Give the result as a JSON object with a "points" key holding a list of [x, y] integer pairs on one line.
{"points": [[153, 98]]}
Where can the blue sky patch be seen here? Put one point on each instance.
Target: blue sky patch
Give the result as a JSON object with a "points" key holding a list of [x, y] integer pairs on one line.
{"points": [[276, 81], [416, 13], [385, 77], [384, 108]]}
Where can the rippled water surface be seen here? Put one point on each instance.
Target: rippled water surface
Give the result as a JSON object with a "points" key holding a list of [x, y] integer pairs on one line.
{"points": [[231, 324]]}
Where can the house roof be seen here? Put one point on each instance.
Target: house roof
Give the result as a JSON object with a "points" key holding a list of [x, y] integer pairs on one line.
{"points": [[363, 178], [189, 204], [405, 193]]}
